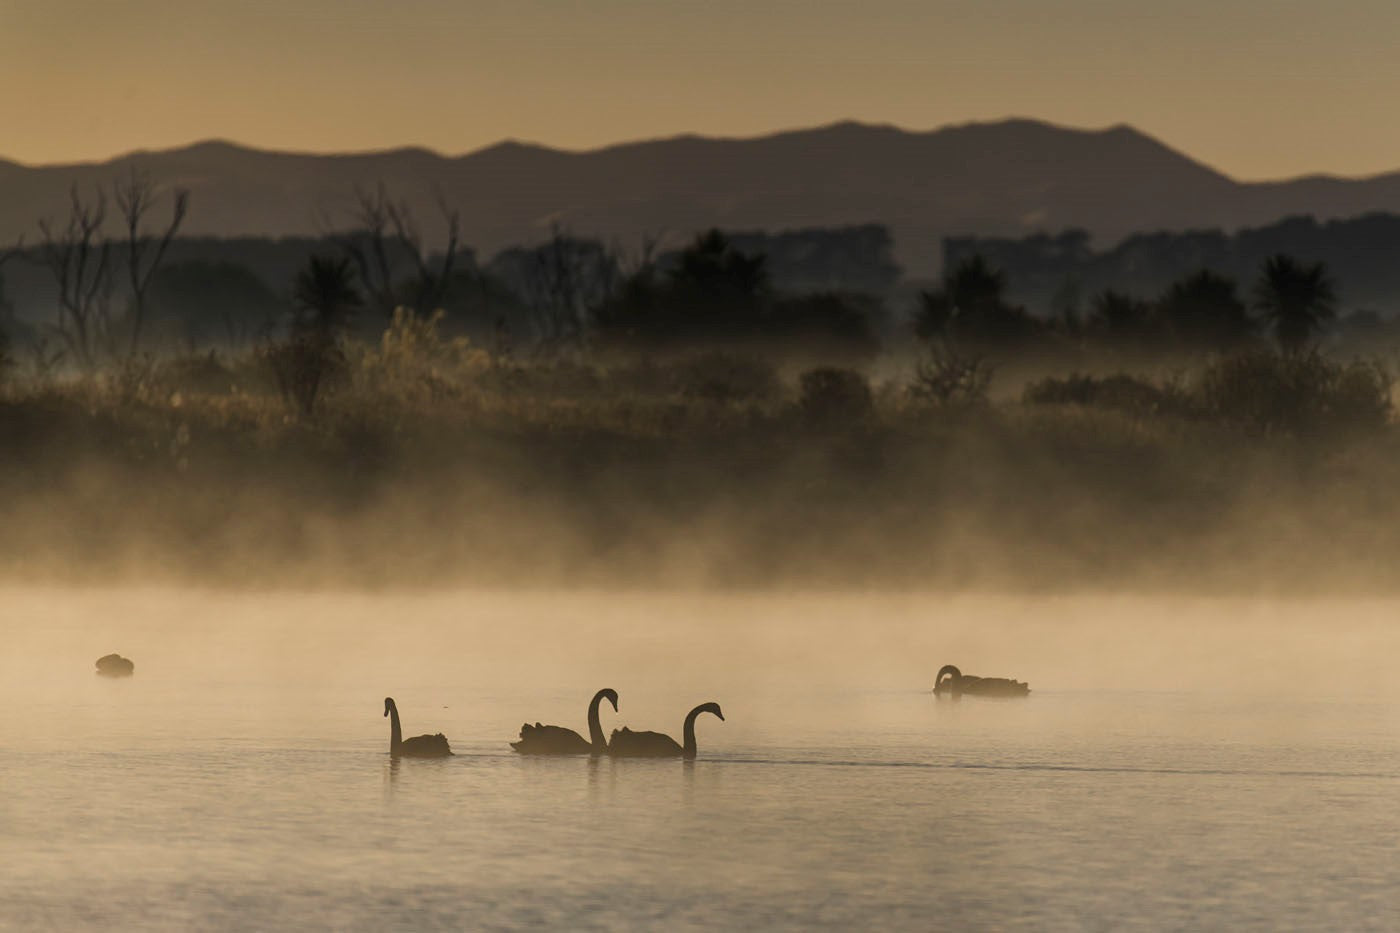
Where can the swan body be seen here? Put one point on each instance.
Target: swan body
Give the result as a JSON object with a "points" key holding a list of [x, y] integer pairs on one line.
{"points": [[420, 746], [953, 682], [556, 740], [114, 665], [628, 744]]}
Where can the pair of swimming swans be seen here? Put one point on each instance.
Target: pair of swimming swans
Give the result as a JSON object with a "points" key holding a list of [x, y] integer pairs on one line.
{"points": [[955, 683], [557, 740]]}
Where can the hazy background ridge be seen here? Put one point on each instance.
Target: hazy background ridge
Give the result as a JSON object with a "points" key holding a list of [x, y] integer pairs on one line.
{"points": [[991, 179]]}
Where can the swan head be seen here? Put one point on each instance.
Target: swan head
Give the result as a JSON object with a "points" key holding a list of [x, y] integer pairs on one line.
{"points": [[947, 670], [388, 705], [709, 708], [610, 695]]}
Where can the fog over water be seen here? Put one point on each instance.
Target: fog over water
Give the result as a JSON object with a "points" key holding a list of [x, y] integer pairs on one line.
{"points": [[1180, 762]]}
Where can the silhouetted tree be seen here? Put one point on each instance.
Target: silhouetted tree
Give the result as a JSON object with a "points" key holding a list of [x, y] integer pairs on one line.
{"points": [[1121, 319], [135, 196], [970, 306], [386, 236], [714, 292], [1296, 299], [1204, 312], [559, 281], [325, 295], [325, 299], [718, 288], [78, 257]]}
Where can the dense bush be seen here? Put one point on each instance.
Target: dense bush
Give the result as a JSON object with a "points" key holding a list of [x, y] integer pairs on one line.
{"points": [[830, 394], [1295, 393], [726, 377], [1259, 391], [1118, 392]]}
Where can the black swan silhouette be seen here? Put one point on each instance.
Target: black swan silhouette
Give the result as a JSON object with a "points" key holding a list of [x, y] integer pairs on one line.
{"points": [[956, 684], [556, 740], [420, 746], [114, 665], [628, 744]]}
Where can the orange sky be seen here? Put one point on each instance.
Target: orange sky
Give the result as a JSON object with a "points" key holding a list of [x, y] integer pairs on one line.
{"points": [[1256, 88]]}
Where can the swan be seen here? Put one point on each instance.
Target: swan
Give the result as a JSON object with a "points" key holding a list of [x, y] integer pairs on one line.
{"points": [[957, 684], [420, 746], [628, 744], [114, 665], [556, 740]]}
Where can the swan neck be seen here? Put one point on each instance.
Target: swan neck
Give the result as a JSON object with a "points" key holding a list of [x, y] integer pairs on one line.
{"points": [[595, 728], [689, 749], [395, 731]]}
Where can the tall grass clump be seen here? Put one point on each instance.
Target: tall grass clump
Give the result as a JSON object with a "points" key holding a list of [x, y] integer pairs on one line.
{"points": [[413, 362]]}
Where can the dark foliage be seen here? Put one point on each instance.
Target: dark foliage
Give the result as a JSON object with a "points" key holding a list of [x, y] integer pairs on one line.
{"points": [[1118, 392], [1203, 312], [726, 377], [831, 395], [1296, 298], [971, 307], [1295, 393], [326, 296]]}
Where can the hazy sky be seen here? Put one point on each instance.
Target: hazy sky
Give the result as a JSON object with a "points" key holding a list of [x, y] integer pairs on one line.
{"points": [[1256, 88]]}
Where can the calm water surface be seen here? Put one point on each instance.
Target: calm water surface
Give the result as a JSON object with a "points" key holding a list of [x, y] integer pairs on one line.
{"points": [[1190, 764]]}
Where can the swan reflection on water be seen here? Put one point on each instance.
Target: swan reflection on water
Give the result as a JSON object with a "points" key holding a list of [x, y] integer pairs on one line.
{"points": [[954, 683]]}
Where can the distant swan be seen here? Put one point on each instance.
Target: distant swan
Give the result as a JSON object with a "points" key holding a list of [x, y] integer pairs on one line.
{"points": [[628, 744], [556, 740], [420, 746], [114, 665], [957, 684]]}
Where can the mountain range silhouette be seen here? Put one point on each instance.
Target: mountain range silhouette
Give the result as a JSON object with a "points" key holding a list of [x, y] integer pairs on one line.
{"points": [[1005, 178]]}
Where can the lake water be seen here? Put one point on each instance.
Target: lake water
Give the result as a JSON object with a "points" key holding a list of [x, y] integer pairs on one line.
{"points": [[1220, 764]]}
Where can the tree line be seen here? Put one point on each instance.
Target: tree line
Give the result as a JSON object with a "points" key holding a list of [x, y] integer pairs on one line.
{"points": [[148, 290]]}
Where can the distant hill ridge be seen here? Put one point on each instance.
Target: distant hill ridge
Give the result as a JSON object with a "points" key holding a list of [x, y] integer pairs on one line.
{"points": [[1004, 178]]}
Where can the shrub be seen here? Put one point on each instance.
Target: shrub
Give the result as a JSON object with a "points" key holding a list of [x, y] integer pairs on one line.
{"points": [[1269, 392], [1119, 392], [833, 394], [947, 377], [726, 377], [302, 365], [413, 360]]}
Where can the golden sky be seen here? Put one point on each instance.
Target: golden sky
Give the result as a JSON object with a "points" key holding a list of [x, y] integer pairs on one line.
{"points": [[1256, 88]]}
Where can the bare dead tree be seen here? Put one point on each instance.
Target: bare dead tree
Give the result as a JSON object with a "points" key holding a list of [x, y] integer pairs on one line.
{"points": [[78, 257], [385, 234], [135, 196], [565, 276]]}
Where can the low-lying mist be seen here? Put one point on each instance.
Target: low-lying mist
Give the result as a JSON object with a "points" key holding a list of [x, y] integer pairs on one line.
{"points": [[437, 471]]}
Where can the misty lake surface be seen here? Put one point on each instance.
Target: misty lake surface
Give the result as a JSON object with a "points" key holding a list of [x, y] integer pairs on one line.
{"points": [[1187, 763]]}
